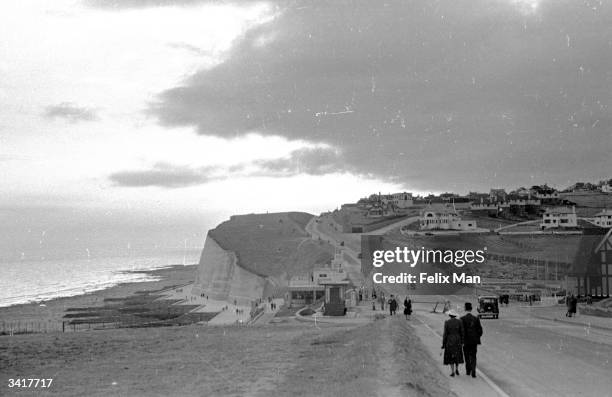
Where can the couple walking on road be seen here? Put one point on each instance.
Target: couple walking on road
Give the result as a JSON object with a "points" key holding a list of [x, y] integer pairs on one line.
{"points": [[393, 306], [461, 337]]}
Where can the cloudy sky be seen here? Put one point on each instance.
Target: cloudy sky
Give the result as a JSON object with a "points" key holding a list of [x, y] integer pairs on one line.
{"points": [[213, 107]]}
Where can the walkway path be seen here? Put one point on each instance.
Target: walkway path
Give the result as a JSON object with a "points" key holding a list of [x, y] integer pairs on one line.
{"points": [[530, 356], [269, 313]]}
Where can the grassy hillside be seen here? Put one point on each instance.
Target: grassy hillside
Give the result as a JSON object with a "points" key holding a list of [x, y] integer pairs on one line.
{"points": [[589, 199], [542, 247], [272, 244], [551, 248]]}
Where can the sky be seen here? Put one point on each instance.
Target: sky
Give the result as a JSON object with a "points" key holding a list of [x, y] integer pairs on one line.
{"points": [[199, 109]]}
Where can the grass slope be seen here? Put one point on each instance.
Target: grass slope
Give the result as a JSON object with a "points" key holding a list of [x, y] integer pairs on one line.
{"points": [[556, 248], [272, 244], [382, 358]]}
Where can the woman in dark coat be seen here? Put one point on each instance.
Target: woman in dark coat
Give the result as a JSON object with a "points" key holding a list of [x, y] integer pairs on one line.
{"points": [[452, 342], [407, 307], [572, 306]]}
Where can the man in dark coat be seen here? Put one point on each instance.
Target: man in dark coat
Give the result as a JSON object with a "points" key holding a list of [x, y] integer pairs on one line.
{"points": [[472, 333], [392, 305]]}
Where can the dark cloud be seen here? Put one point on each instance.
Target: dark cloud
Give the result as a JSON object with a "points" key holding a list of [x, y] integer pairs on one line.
{"points": [[71, 112], [311, 161], [163, 175], [451, 94]]}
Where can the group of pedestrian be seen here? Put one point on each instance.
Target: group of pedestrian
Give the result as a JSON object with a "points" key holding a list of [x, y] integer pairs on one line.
{"points": [[461, 338], [393, 306]]}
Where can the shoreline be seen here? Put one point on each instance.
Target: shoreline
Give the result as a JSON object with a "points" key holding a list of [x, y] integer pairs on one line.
{"points": [[54, 309]]}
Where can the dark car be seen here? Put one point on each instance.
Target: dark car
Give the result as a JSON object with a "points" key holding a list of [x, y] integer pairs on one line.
{"points": [[488, 306]]}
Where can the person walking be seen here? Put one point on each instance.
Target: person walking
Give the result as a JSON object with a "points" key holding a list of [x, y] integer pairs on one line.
{"points": [[392, 305], [452, 340], [573, 305], [472, 333], [407, 307]]}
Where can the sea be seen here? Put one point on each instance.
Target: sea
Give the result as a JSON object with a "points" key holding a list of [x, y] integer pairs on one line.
{"points": [[44, 260]]}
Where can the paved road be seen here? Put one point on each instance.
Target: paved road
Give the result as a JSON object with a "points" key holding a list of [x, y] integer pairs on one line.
{"points": [[388, 228], [527, 356], [317, 228]]}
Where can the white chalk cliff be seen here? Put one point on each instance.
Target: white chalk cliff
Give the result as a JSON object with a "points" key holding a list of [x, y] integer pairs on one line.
{"points": [[220, 277]]}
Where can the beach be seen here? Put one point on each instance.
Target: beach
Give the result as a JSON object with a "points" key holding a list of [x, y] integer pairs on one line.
{"points": [[52, 311]]}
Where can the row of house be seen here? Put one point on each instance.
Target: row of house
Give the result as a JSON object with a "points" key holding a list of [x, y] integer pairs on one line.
{"points": [[384, 205], [445, 218], [531, 203], [603, 186]]}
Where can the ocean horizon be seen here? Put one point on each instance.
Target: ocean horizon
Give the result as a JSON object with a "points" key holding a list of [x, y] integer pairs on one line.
{"points": [[47, 253], [28, 281]]}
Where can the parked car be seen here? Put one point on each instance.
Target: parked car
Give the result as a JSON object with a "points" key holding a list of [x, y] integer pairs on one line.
{"points": [[488, 306]]}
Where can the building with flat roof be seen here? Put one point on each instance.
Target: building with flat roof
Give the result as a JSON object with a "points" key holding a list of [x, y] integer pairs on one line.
{"points": [[444, 219], [603, 218], [556, 217]]}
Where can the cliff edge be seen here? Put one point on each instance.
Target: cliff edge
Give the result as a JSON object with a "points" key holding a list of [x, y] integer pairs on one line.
{"points": [[252, 256]]}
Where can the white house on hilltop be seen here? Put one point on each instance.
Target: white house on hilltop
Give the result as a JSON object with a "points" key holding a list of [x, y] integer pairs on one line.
{"points": [[444, 219], [559, 217], [604, 218]]}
